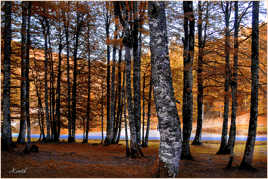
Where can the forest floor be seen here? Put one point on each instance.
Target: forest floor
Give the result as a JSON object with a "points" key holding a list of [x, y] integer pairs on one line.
{"points": [[95, 160]]}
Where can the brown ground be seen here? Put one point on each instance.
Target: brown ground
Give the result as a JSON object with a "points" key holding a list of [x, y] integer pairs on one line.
{"points": [[91, 160]]}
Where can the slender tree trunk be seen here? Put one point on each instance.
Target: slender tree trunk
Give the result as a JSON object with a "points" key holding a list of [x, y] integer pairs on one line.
{"points": [[201, 45], [21, 138], [223, 145], [58, 102], [170, 134], [45, 26], [249, 149], [110, 135], [66, 28], [187, 108], [120, 100], [6, 124], [102, 114], [232, 132], [107, 26], [148, 113], [143, 110], [77, 33], [119, 105], [125, 116], [52, 94], [88, 96]]}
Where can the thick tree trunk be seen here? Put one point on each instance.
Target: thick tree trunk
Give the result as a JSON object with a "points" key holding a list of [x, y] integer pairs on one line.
{"points": [[136, 74], [223, 145], [134, 147], [188, 54], [148, 114], [249, 149], [6, 138], [232, 132], [170, 134]]}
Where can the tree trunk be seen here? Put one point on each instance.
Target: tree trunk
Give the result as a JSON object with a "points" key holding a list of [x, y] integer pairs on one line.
{"points": [[143, 110], [170, 134], [77, 33], [52, 93], [107, 27], [58, 102], [136, 74], [201, 45], [21, 138], [227, 13], [66, 28], [188, 54], [119, 105], [102, 114], [249, 150], [134, 147], [88, 96], [125, 116], [45, 26], [6, 125], [232, 132], [148, 114], [110, 135]]}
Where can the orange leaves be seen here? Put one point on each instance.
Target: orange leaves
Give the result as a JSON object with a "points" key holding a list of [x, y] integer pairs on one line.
{"points": [[116, 42]]}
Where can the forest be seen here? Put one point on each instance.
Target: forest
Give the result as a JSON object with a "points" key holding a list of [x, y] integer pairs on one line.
{"points": [[134, 89]]}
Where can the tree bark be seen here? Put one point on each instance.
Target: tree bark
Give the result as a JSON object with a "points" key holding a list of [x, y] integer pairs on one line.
{"points": [[88, 95], [143, 110], [110, 135], [170, 134], [45, 26], [77, 33], [227, 13], [119, 105], [58, 91], [148, 114], [24, 60], [232, 132], [249, 150], [188, 54], [6, 125], [107, 28], [136, 73], [66, 28], [200, 88]]}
